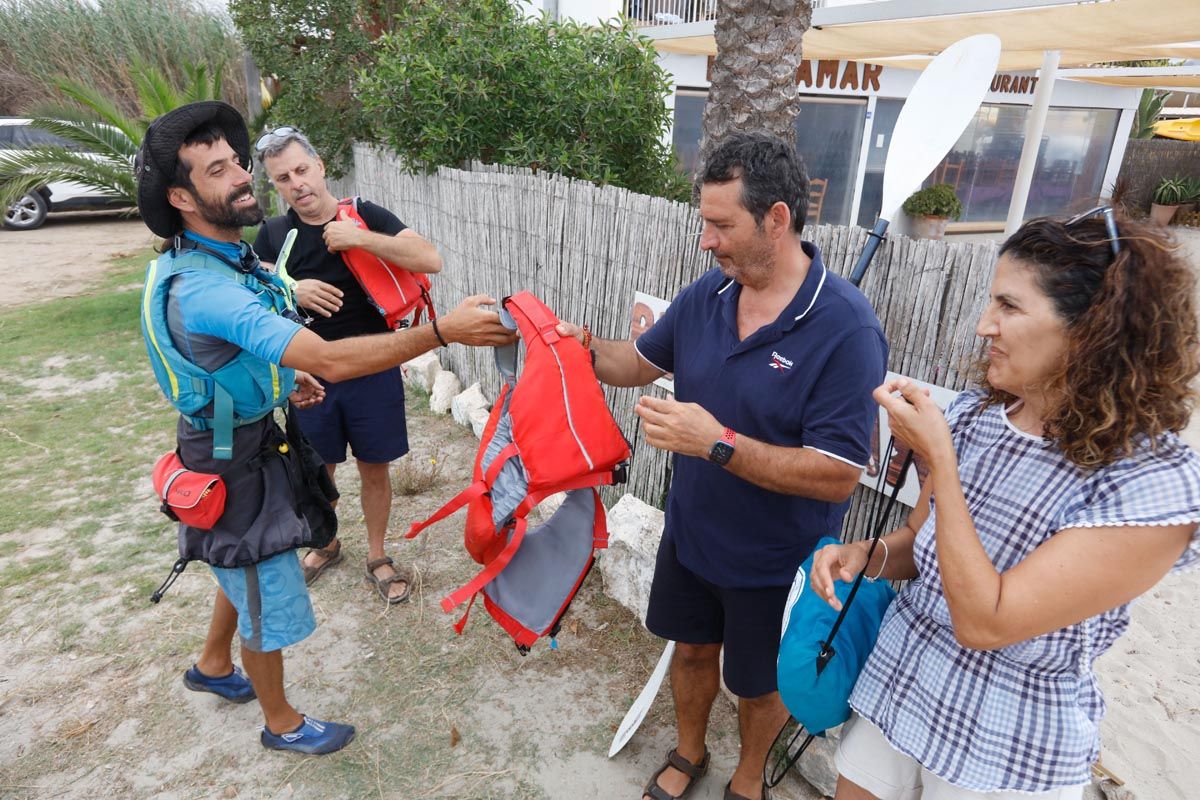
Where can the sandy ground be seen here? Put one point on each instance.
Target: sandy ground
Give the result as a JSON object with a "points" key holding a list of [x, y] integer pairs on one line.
{"points": [[1150, 678], [65, 255]]}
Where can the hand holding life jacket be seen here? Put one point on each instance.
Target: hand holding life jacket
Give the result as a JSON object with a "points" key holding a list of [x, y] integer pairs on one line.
{"points": [[549, 432], [398, 293]]}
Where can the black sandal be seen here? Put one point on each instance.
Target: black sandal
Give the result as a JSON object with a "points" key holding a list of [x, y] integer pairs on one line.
{"points": [[693, 771]]}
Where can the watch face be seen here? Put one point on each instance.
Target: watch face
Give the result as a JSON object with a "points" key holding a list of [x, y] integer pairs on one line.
{"points": [[720, 453]]}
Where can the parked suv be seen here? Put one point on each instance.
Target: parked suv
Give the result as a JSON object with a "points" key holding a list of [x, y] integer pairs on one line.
{"points": [[30, 211]]}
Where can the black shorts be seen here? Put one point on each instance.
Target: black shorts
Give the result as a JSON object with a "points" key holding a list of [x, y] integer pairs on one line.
{"points": [[686, 608], [366, 413]]}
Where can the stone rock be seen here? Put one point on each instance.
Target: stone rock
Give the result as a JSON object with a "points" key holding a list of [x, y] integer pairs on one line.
{"points": [[634, 529], [421, 371], [445, 386], [816, 765], [478, 419], [465, 402]]}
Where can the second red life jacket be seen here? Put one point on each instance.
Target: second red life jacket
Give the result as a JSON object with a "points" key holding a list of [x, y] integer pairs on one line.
{"points": [[398, 293]]}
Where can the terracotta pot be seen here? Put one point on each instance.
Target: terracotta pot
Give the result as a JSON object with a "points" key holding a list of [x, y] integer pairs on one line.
{"points": [[1161, 215], [930, 227]]}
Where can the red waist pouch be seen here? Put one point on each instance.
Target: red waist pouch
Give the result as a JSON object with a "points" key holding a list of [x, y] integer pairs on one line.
{"points": [[196, 499]]}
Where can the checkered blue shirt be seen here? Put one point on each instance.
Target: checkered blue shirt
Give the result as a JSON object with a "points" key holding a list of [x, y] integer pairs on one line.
{"points": [[1026, 717]]}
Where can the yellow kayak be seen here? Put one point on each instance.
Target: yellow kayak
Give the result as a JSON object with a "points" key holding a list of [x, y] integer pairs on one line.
{"points": [[1186, 129]]}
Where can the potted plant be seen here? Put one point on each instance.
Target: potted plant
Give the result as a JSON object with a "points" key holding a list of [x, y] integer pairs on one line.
{"points": [[931, 209], [1168, 196]]}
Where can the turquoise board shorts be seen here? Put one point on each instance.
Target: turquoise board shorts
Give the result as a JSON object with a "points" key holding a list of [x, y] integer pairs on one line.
{"points": [[271, 600]]}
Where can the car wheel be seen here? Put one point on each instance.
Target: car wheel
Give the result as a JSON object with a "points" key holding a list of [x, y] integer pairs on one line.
{"points": [[27, 213]]}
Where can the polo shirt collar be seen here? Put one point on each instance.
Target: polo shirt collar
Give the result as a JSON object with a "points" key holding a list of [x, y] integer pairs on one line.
{"points": [[805, 300]]}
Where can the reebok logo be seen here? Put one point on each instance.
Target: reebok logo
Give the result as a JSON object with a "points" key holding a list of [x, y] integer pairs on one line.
{"points": [[779, 362]]}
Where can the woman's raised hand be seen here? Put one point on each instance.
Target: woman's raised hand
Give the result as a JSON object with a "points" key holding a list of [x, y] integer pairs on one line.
{"points": [[915, 419]]}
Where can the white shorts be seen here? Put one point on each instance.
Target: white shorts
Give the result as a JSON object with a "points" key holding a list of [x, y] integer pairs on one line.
{"points": [[867, 759]]}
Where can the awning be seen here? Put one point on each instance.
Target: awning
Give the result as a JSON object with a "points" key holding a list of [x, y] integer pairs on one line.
{"points": [[1085, 34], [1172, 78]]}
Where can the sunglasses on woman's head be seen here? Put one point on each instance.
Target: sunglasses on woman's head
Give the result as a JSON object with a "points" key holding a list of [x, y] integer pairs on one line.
{"points": [[1110, 223]]}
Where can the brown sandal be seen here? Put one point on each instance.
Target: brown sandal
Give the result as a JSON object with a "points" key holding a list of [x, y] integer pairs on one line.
{"points": [[334, 556], [730, 794], [382, 585], [693, 771]]}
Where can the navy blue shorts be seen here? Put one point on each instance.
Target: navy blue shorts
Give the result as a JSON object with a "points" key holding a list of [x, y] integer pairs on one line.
{"points": [[686, 608], [366, 413]]}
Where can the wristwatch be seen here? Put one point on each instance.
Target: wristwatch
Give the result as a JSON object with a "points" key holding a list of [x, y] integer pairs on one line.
{"points": [[722, 449]]}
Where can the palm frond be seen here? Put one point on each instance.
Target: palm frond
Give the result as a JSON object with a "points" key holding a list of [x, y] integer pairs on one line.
{"points": [[155, 90], [23, 172], [91, 136], [104, 108]]}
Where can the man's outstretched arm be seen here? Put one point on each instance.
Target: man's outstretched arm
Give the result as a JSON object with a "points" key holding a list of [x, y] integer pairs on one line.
{"points": [[618, 362], [364, 355]]}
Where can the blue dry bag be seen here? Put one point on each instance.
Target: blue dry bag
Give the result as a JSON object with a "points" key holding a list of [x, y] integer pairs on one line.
{"points": [[819, 700]]}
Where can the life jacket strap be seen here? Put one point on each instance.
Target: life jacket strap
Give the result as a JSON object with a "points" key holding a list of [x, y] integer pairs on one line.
{"points": [[222, 423], [476, 489], [489, 572]]}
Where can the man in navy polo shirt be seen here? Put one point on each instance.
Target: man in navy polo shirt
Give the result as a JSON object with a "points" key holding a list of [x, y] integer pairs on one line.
{"points": [[774, 359]]}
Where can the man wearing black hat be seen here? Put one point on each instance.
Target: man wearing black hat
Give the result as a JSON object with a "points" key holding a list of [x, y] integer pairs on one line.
{"points": [[227, 349]]}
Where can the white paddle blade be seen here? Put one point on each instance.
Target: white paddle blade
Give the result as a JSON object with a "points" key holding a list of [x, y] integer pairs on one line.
{"points": [[937, 111], [641, 706]]}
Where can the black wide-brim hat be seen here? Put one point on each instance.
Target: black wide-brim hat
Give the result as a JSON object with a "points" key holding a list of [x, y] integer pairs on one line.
{"points": [[155, 163]]}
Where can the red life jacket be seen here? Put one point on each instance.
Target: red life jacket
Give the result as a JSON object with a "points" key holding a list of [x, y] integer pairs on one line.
{"points": [[397, 292], [548, 432]]}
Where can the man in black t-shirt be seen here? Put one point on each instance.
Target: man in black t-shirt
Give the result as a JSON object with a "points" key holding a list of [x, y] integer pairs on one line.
{"points": [[365, 413]]}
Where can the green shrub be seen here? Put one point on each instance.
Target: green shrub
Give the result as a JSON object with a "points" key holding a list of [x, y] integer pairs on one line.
{"points": [[316, 49], [1191, 188], [474, 79], [934, 201], [1172, 191], [97, 44]]}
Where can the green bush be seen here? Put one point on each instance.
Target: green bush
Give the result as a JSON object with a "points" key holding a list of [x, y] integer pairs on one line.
{"points": [[316, 48], [934, 201], [474, 79], [98, 44], [1173, 191]]}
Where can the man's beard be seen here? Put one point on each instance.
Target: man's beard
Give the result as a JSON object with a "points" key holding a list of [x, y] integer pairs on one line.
{"points": [[754, 265], [225, 216]]}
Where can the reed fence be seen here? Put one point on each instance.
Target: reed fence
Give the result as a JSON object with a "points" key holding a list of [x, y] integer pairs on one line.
{"points": [[585, 250], [1148, 161]]}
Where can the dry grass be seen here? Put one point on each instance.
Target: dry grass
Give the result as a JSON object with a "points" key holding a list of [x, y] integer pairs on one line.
{"points": [[417, 474]]}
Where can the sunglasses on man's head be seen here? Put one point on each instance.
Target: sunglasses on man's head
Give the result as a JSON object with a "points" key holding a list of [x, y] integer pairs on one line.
{"points": [[268, 138], [1110, 224]]}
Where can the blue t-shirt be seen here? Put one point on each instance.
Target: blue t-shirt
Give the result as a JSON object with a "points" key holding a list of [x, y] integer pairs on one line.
{"points": [[804, 380], [211, 316]]}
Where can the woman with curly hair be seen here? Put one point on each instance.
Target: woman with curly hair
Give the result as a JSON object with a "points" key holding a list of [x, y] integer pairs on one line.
{"points": [[1058, 492]]}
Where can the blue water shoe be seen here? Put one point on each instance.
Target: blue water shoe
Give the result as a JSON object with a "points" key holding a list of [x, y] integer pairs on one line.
{"points": [[313, 737], [234, 687]]}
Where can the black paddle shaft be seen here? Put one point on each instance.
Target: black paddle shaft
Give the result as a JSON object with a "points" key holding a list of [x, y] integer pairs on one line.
{"points": [[827, 651], [874, 239]]}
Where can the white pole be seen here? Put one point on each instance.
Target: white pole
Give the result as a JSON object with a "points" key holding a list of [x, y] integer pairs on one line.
{"points": [[1033, 140]]}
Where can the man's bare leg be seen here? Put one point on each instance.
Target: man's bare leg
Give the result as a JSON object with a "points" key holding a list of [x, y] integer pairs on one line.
{"points": [[313, 558], [377, 507], [695, 680], [266, 673], [759, 721], [215, 660]]}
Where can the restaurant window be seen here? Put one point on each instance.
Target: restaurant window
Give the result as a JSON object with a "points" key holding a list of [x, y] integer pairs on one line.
{"points": [[828, 136], [685, 134], [982, 166]]}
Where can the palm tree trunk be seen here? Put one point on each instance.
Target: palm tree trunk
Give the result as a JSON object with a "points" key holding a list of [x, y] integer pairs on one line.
{"points": [[753, 84]]}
